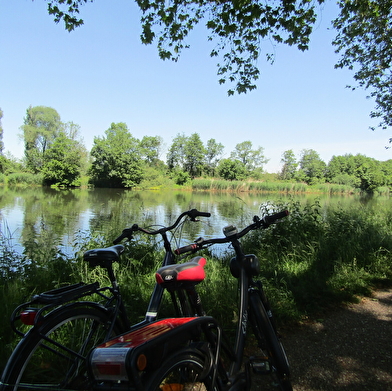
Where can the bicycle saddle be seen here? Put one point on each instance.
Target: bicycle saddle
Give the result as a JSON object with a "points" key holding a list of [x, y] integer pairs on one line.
{"points": [[103, 256], [182, 273]]}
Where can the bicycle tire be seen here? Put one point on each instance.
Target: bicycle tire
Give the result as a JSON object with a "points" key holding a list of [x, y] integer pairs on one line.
{"points": [[53, 355], [265, 332], [185, 370]]}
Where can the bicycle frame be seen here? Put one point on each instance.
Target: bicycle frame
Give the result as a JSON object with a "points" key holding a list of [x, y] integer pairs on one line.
{"points": [[243, 267]]}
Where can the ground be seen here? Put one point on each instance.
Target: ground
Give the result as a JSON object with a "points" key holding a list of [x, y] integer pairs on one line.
{"points": [[349, 350]]}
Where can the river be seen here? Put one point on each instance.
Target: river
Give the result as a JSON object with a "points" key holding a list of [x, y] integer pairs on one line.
{"points": [[51, 217]]}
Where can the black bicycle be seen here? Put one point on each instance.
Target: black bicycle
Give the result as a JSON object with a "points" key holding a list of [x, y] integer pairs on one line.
{"points": [[228, 369], [67, 323]]}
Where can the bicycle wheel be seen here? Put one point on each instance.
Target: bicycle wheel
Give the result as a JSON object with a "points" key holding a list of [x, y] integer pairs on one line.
{"points": [[270, 343], [184, 371], [54, 356]]}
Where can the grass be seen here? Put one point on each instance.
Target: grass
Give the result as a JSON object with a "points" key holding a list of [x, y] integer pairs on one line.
{"points": [[273, 186], [317, 258]]}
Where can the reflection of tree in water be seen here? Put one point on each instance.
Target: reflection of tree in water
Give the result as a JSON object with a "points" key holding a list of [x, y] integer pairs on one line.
{"points": [[52, 217], [49, 216]]}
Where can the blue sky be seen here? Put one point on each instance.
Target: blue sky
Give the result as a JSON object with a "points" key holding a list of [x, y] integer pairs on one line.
{"points": [[101, 73]]}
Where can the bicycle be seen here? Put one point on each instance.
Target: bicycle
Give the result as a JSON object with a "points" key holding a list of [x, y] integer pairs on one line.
{"points": [[253, 308], [65, 326]]}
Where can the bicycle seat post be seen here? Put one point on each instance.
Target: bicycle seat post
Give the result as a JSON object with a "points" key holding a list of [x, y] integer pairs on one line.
{"points": [[112, 277]]}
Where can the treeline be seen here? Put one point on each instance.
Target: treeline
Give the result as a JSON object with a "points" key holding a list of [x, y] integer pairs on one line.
{"points": [[55, 155]]}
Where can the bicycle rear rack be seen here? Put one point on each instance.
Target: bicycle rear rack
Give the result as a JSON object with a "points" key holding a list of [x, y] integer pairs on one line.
{"points": [[32, 311], [127, 357]]}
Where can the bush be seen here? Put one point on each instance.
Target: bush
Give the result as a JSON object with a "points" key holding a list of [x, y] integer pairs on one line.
{"points": [[24, 178]]}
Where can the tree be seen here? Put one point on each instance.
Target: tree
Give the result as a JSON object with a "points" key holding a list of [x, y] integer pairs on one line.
{"points": [[116, 158], [176, 153], [62, 162], [186, 154], [151, 148], [231, 170], [250, 158], [342, 170], [72, 131], [41, 127], [364, 42], [289, 165], [369, 172], [237, 29], [194, 155], [312, 167], [213, 153]]}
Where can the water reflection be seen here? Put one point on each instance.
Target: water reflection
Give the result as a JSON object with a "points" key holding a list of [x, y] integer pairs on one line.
{"points": [[51, 218]]}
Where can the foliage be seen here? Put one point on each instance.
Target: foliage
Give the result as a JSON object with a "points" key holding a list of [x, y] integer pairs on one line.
{"points": [[117, 161], [41, 127], [314, 259], [53, 150], [155, 176], [187, 154], [289, 165], [364, 42], [250, 158], [24, 178], [363, 172], [176, 152], [62, 162], [239, 29], [151, 149], [312, 168], [213, 153], [180, 177], [231, 169], [10, 164], [194, 155], [324, 256]]}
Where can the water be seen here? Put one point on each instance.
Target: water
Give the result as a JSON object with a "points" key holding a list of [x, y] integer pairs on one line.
{"points": [[50, 217]]}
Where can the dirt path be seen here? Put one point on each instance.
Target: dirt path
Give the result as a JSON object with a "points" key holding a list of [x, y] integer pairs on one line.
{"points": [[350, 350]]}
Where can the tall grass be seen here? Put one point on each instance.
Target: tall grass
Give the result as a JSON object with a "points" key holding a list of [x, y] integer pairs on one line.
{"points": [[272, 186], [321, 257], [316, 258]]}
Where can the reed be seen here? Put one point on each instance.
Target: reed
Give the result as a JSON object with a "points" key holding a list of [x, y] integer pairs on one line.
{"points": [[273, 186]]}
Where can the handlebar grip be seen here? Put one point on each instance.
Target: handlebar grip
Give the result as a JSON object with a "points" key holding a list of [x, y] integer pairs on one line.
{"points": [[272, 218], [193, 213], [126, 234], [119, 239], [186, 249]]}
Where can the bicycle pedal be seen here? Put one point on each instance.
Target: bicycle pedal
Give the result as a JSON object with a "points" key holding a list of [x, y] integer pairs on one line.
{"points": [[260, 365]]}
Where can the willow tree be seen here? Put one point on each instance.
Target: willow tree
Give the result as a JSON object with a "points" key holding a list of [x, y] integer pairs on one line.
{"points": [[41, 127]]}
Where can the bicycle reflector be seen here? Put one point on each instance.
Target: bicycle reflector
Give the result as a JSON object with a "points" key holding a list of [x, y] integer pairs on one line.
{"points": [[28, 316]]}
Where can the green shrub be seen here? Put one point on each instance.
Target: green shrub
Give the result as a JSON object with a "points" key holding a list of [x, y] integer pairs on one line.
{"points": [[24, 178]]}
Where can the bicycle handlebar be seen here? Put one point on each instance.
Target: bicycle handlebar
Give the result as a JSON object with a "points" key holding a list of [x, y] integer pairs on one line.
{"points": [[127, 233], [265, 222]]}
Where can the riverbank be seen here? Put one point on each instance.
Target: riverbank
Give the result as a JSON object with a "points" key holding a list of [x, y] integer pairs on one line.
{"points": [[348, 349]]}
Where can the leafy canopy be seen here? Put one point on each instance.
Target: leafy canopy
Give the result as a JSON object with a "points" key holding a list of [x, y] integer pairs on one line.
{"points": [[237, 28], [364, 41]]}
